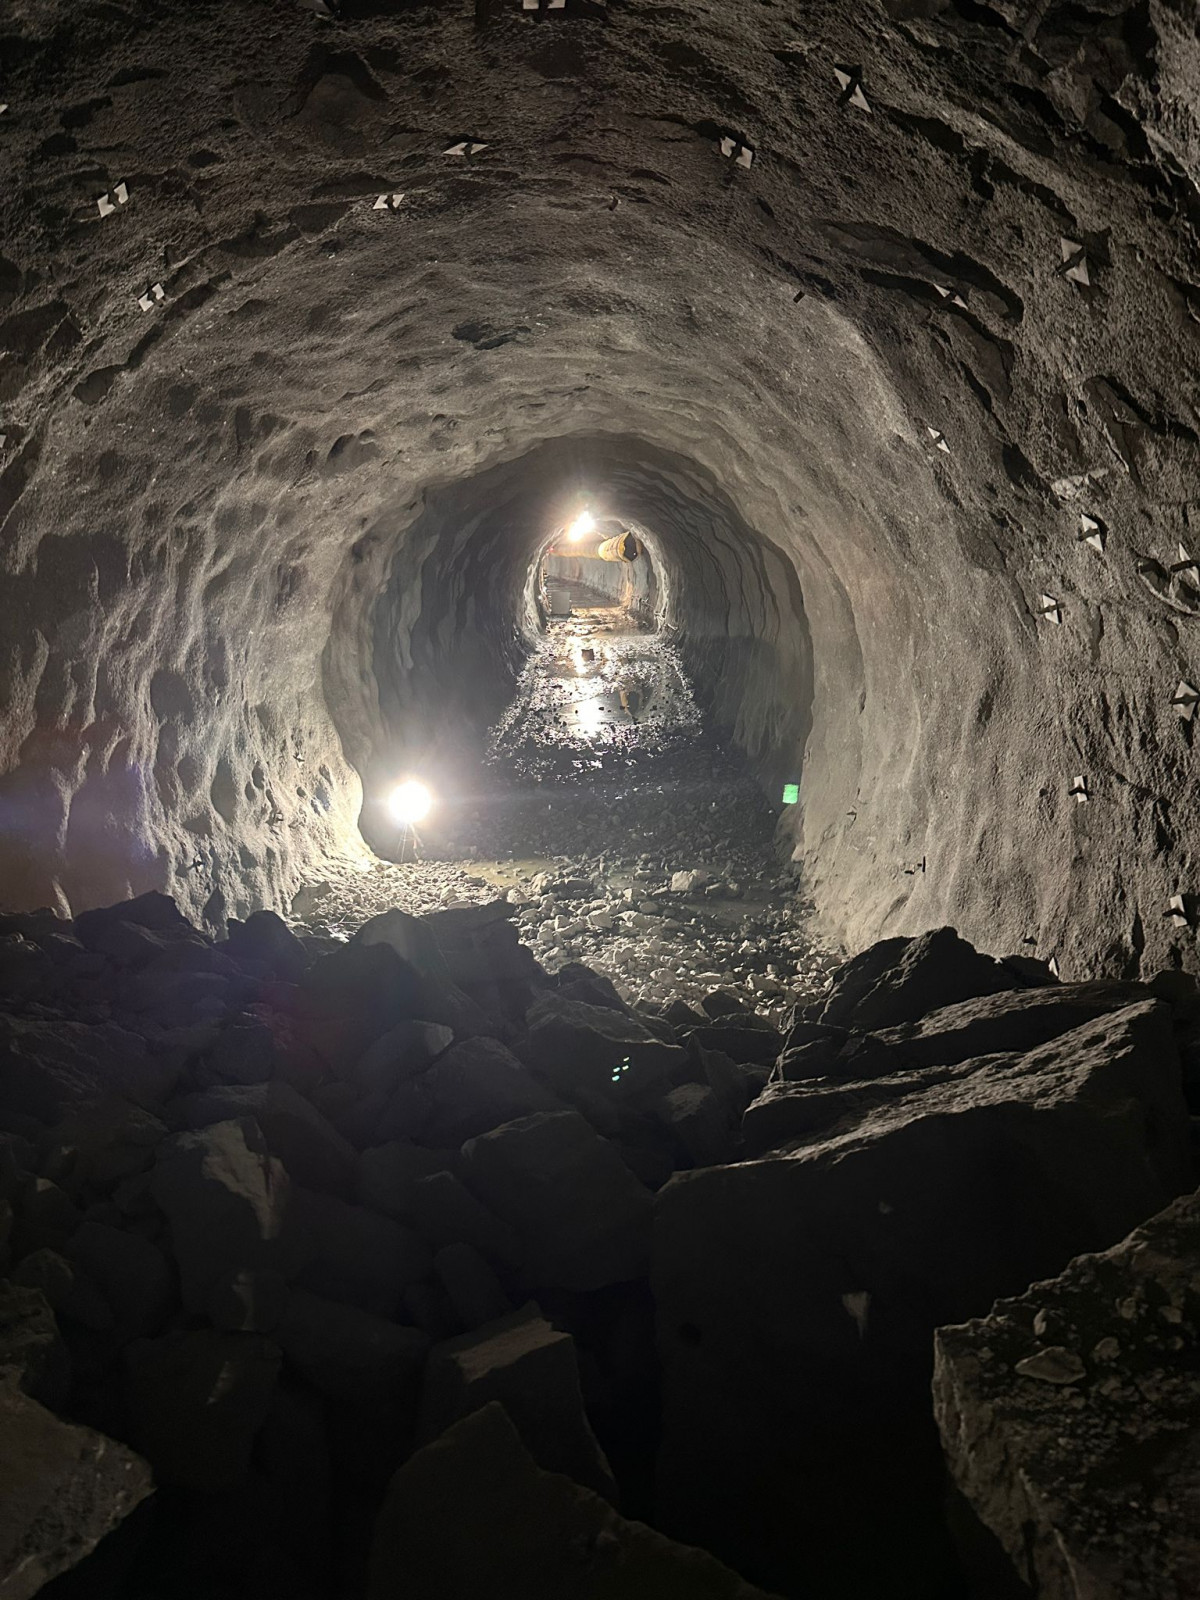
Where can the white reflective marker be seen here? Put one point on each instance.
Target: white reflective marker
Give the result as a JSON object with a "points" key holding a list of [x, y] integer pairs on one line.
{"points": [[388, 202], [1091, 531], [1075, 262], [153, 294], [106, 206], [1185, 700]]}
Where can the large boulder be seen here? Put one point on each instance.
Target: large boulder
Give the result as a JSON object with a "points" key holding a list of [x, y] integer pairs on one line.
{"points": [[474, 1087], [266, 942], [353, 995], [482, 956], [473, 1514], [131, 1272], [899, 980], [388, 1175], [742, 1042], [49, 1070], [154, 911], [532, 1370], [583, 1218], [349, 1355], [31, 1348], [992, 1024], [475, 1293], [95, 1150], [348, 1253], [797, 1295], [61, 1490], [224, 1196], [1013, 1019], [445, 1212], [1069, 1418], [589, 1049], [196, 1401], [312, 1151], [403, 1052]]}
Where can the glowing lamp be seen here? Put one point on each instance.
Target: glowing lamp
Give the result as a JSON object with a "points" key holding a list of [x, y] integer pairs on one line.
{"points": [[584, 524], [409, 802]]}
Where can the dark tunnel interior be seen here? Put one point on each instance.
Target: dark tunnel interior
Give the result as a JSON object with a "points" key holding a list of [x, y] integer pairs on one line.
{"points": [[599, 989]]}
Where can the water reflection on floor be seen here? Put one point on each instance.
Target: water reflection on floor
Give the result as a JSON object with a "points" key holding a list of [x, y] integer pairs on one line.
{"points": [[597, 691]]}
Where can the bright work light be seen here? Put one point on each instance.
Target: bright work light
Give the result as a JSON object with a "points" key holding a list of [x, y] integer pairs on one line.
{"points": [[584, 524], [409, 802]]}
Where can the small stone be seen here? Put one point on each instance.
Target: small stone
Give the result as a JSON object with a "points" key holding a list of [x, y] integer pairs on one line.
{"points": [[1054, 1364], [1106, 1350]]}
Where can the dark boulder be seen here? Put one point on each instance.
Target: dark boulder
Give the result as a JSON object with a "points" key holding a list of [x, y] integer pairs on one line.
{"points": [[472, 1514], [224, 1197], [900, 980], [62, 1489], [158, 912], [582, 1216], [313, 1153], [196, 1401], [796, 1420], [532, 1370], [1069, 1418]]}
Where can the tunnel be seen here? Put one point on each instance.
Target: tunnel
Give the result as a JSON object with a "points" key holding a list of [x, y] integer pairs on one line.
{"points": [[873, 329]]}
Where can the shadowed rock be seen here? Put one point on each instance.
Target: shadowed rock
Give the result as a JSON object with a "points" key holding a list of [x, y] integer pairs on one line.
{"points": [[61, 1490], [1068, 1417], [797, 1294], [473, 1514]]}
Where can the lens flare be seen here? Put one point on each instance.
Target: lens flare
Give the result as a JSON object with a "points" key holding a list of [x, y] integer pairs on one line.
{"points": [[584, 524], [409, 802]]}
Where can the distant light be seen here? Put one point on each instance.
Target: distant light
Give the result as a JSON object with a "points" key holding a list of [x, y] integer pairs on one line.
{"points": [[409, 802], [584, 524]]}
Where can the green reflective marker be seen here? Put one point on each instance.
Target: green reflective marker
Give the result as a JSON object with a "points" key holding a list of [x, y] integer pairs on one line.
{"points": [[791, 793]]}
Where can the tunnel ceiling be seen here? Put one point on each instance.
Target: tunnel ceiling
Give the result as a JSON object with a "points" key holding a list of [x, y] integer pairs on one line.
{"points": [[935, 346]]}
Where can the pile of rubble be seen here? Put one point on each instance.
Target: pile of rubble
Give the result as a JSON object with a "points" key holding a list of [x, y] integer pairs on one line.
{"points": [[402, 1265]]}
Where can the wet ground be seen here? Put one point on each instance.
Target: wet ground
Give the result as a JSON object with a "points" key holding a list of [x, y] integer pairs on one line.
{"points": [[624, 832]]}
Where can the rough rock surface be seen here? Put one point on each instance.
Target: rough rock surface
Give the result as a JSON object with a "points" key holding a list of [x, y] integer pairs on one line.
{"points": [[473, 1514], [797, 1295], [61, 1490], [861, 379], [582, 1216], [531, 1369], [1068, 1418]]}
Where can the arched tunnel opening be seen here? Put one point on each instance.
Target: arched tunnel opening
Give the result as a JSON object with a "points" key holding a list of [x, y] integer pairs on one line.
{"points": [[597, 818]]}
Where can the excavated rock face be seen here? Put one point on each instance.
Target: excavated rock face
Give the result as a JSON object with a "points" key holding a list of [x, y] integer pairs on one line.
{"points": [[898, 402]]}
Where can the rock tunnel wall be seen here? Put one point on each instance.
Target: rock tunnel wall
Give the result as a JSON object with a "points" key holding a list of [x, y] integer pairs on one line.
{"points": [[905, 401]]}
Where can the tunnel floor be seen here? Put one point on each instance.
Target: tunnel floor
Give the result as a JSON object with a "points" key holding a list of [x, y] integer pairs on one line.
{"points": [[626, 833]]}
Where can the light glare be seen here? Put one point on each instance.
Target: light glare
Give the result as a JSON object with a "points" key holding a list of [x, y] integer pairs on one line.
{"points": [[584, 524], [409, 802]]}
